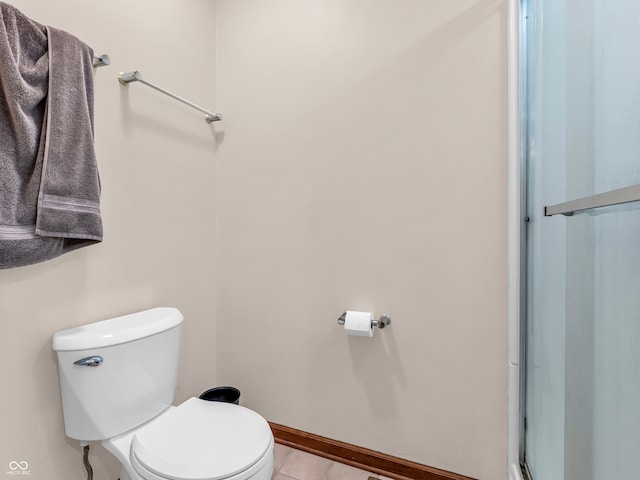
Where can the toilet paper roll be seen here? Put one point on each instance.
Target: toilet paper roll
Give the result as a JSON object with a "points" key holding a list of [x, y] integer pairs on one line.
{"points": [[358, 324]]}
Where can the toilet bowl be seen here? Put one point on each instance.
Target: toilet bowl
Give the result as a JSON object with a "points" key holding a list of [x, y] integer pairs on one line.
{"points": [[197, 440], [117, 382]]}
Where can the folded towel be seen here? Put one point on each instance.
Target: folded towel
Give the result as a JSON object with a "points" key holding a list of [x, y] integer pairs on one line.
{"points": [[49, 184]]}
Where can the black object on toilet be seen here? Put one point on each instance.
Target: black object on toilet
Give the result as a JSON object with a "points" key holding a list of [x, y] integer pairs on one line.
{"points": [[222, 394]]}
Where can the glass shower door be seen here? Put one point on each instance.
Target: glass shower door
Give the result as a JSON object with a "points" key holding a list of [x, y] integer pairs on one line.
{"points": [[583, 294]]}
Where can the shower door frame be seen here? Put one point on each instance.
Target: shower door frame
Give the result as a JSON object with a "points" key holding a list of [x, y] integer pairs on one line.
{"points": [[518, 128], [516, 225]]}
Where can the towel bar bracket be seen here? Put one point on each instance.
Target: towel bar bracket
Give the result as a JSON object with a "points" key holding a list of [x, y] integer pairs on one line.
{"points": [[101, 60]]}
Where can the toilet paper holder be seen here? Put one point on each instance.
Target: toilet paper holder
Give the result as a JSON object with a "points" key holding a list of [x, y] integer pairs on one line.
{"points": [[382, 322]]}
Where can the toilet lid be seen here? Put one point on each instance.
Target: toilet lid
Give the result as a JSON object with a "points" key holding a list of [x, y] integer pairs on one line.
{"points": [[201, 440]]}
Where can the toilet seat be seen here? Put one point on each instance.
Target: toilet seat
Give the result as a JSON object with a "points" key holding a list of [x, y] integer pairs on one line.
{"points": [[201, 440]]}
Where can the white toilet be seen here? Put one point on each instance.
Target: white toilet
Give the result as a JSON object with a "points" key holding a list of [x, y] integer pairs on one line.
{"points": [[118, 379]]}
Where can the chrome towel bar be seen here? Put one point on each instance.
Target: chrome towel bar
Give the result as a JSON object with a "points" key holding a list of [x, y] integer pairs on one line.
{"points": [[129, 77], [606, 199]]}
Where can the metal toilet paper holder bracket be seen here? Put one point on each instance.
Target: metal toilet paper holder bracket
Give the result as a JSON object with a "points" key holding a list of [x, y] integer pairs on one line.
{"points": [[382, 322]]}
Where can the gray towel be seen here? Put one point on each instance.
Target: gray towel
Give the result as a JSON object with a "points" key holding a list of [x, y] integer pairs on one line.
{"points": [[49, 184]]}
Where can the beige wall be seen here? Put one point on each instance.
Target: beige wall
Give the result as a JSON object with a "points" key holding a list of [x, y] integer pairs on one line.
{"points": [[364, 167], [156, 160], [361, 164]]}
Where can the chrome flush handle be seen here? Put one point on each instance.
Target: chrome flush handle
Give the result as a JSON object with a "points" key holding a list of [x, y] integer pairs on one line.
{"points": [[94, 361]]}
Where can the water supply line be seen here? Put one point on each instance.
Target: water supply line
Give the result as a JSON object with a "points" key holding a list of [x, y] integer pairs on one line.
{"points": [[87, 465]]}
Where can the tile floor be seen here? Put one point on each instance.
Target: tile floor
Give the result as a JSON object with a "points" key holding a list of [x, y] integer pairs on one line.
{"points": [[292, 464]]}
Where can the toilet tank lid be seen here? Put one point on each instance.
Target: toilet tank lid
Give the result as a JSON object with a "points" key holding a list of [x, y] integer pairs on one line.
{"points": [[117, 330]]}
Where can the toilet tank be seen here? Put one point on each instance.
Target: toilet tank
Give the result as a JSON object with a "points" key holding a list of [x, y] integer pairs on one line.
{"points": [[133, 380]]}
